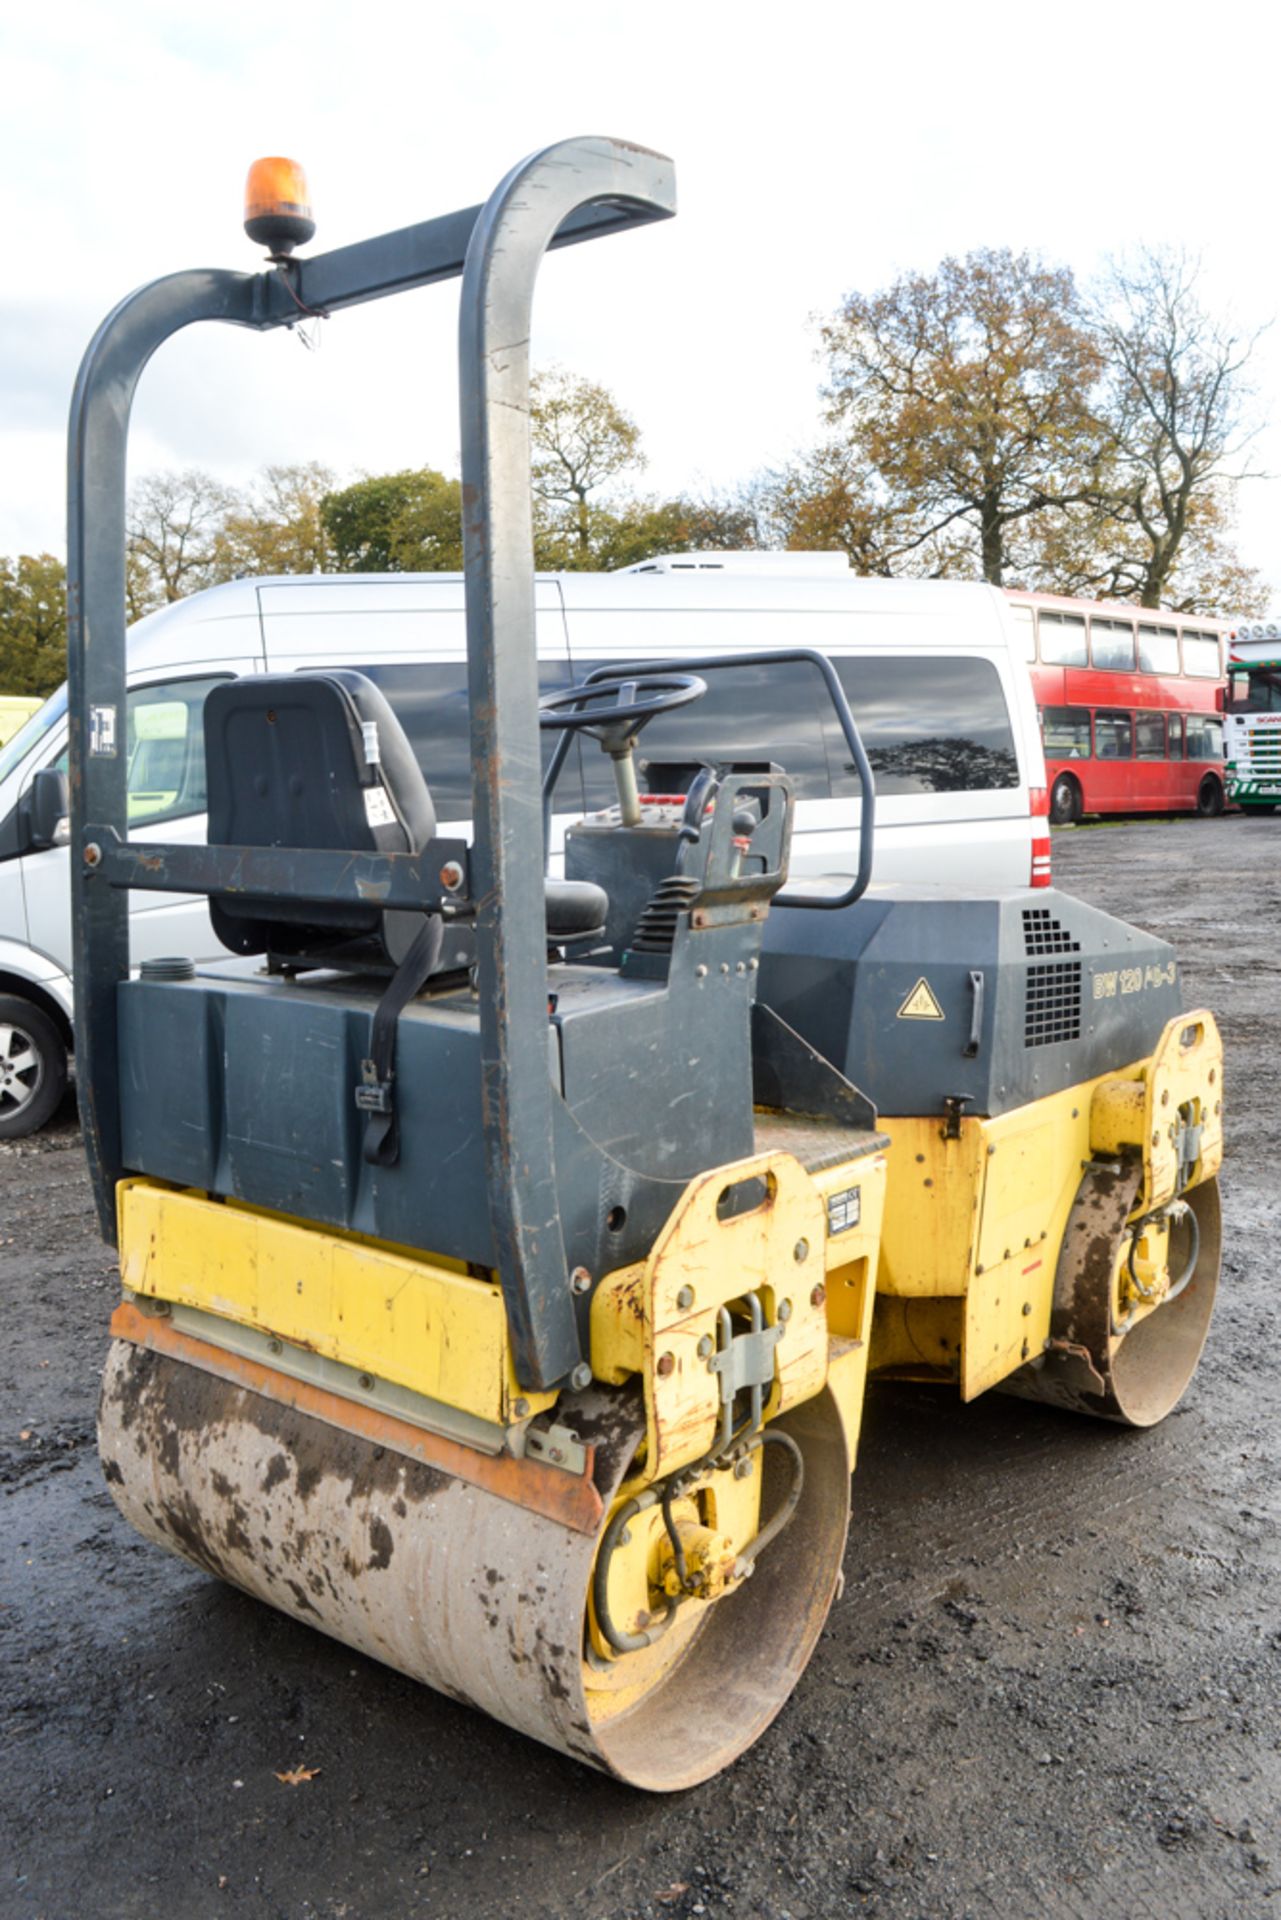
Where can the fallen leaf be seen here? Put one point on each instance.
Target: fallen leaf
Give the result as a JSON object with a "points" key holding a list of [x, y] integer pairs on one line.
{"points": [[672, 1893], [295, 1776]]}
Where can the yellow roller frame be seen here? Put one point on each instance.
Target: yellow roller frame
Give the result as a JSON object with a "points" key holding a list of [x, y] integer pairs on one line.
{"points": [[975, 1214], [659, 1318], [420, 1323]]}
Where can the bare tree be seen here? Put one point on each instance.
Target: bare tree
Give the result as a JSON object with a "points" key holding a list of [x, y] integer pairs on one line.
{"points": [[1177, 407], [175, 528]]}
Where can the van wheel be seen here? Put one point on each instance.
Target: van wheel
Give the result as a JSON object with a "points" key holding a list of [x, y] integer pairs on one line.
{"points": [[33, 1068], [1209, 799], [1065, 802]]}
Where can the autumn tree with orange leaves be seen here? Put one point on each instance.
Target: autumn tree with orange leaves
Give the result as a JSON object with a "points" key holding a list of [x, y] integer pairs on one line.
{"points": [[988, 421]]}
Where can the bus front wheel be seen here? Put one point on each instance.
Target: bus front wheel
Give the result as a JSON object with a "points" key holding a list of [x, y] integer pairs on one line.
{"points": [[1065, 801], [1209, 799]]}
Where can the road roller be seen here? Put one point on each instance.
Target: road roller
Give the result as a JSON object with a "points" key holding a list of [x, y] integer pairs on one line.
{"points": [[504, 1255]]}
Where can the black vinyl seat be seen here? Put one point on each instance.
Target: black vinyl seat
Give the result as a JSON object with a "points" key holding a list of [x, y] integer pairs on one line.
{"points": [[320, 760], [312, 760]]}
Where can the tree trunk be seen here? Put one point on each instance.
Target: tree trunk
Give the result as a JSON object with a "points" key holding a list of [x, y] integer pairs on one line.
{"points": [[1158, 569], [991, 533]]}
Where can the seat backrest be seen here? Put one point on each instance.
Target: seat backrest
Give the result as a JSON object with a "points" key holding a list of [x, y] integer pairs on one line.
{"points": [[312, 760]]}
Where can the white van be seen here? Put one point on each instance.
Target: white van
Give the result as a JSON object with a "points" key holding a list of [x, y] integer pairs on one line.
{"points": [[931, 669]]}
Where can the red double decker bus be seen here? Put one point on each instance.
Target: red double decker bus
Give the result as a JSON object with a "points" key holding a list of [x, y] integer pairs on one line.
{"points": [[1130, 701]]}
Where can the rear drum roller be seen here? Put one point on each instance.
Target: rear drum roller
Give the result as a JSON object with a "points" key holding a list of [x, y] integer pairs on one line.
{"points": [[467, 1591], [1126, 1332]]}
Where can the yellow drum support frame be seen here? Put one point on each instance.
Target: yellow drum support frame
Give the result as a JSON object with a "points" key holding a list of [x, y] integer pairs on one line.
{"points": [[359, 1511]]}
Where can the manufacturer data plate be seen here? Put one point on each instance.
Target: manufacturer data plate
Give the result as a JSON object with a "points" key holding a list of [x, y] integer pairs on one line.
{"points": [[102, 732], [844, 1210]]}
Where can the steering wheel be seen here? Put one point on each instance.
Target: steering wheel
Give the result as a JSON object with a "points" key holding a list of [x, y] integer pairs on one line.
{"points": [[614, 711]]}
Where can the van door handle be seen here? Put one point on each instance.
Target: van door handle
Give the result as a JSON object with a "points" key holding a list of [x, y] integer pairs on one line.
{"points": [[971, 1046]]}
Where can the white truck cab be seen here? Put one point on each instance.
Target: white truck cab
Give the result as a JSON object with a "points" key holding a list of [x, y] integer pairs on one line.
{"points": [[931, 669]]}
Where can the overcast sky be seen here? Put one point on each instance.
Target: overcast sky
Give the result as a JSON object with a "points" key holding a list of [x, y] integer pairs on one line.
{"points": [[818, 148]]}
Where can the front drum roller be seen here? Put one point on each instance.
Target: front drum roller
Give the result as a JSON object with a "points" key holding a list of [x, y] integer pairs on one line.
{"points": [[1132, 1303], [465, 1590]]}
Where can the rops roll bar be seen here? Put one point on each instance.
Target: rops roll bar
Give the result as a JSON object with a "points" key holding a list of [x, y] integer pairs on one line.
{"points": [[576, 190]]}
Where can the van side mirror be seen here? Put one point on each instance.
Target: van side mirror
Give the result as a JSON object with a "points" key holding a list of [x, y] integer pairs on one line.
{"points": [[48, 808]]}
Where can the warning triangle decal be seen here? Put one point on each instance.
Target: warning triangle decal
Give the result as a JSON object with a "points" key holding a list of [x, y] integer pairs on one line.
{"points": [[920, 1003]]}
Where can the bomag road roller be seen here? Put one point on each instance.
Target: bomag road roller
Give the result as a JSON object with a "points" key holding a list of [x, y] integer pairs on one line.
{"points": [[504, 1257]]}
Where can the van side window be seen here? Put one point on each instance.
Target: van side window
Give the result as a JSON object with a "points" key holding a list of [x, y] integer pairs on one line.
{"points": [[929, 725], [748, 713], [430, 703], [165, 746]]}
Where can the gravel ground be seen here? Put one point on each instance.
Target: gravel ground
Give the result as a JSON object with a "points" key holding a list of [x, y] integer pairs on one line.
{"points": [[1051, 1687]]}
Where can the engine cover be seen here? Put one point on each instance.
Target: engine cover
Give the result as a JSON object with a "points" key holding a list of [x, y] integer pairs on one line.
{"points": [[923, 997]]}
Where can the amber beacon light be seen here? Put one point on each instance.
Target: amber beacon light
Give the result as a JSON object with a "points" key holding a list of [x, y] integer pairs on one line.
{"points": [[277, 206]]}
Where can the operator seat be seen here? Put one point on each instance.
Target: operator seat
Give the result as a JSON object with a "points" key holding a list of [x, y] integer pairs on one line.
{"points": [[319, 760]]}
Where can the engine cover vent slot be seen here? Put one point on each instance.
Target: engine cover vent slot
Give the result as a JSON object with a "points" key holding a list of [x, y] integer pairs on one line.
{"points": [[1053, 1008], [1042, 933]]}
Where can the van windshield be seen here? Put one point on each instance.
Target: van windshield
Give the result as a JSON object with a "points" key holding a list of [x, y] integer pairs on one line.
{"points": [[17, 749]]}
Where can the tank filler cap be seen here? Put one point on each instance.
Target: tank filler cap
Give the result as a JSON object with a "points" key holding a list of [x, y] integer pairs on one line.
{"points": [[168, 967], [278, 206]]}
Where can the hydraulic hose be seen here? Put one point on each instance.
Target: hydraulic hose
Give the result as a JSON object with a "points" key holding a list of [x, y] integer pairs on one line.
{"points": [[1177, 1210], [666, 1495]]}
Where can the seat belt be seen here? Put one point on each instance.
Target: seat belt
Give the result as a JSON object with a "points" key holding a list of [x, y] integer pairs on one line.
{"points": [[375, 1096]]}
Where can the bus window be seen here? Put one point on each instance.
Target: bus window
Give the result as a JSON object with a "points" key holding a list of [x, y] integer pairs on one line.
{"points": [[1158, 650], [1112, 645], [1175, 723], [1205, 735], [1149, 736], [1062, 639], [1113, 736], [1026, 631], [1201, 659], [1066, 733]]}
